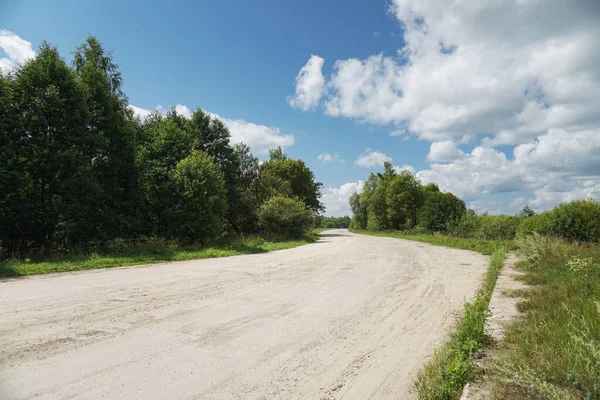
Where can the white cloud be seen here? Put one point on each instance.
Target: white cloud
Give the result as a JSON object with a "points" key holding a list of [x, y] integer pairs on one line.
{"points": [[310, 85], [408, 168], [371, 158], [326, 158], [336, 199], [183, 110], [444, 151], [260, 138], [558, 166], [17, 50], [522, 73]]}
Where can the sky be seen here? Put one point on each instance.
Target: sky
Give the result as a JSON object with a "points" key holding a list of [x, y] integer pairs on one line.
{"points": [[496, 101]]}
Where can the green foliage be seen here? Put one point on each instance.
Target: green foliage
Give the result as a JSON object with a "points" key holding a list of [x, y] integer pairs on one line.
{"points": [[284, 216], [332, 222], [404, 199], [77, 170], [199, 206], [49, 154], [439, 210], [578, 220], [284, 176], [498, 226], [553, 351]]}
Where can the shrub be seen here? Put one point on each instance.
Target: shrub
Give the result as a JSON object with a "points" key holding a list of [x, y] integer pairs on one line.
{"points": [[498, 226], [284, 216], [540, 223], [578, 220], [465, 226]]}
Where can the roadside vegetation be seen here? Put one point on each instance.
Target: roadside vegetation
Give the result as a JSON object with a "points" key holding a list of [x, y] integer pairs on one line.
{"points": [[150, 251], [553, 350], [80, 176]]}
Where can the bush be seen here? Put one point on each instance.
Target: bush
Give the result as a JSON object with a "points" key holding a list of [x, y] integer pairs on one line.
{"points": [[539, 223], [578, 220], [284, 216], [498, 226], [466, 226]]}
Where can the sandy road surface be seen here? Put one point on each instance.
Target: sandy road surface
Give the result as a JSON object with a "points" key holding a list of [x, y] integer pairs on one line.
{"points": [[350, 317]]}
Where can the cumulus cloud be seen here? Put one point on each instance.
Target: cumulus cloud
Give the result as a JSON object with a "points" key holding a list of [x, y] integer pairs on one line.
{"points": [[327, 158], [408, 168], [519, 73], [558, 166], [260, 138], [336, 199], [371, 158], [17, 50], [444, 151], [310, 85]]}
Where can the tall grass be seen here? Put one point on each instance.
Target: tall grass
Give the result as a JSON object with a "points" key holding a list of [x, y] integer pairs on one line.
{"points": [[554, 350], [444, 376]]}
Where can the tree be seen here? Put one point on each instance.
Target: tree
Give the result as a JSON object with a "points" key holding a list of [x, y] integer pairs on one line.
{"points": [[285, 176], [244, 210], [55, 177], [359, 211], [199, 207], [162, 145], [439, 209], [527, 211], [404, 199], [111, 127]]}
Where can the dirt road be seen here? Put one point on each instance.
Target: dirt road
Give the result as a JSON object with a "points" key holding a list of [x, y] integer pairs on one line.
{"points": [[350, 317]]}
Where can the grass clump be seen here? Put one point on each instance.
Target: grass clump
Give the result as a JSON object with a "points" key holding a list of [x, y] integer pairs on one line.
{"points": [[120, 253], [444, 376]]}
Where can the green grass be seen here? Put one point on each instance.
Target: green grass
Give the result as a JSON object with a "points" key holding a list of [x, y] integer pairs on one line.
{"points": [[444, 375], [480, 245], [15, 268], [553, 351]]}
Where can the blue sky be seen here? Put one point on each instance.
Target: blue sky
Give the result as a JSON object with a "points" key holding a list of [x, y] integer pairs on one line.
{"points": [[386, 67]]}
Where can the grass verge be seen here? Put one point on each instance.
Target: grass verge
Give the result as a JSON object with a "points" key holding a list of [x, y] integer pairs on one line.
{"points": [[553, 351], [444, 376], [13, 268], [480, 245]]}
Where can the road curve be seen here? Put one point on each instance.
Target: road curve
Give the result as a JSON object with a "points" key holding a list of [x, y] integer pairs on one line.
{"points": [[350, 317]]}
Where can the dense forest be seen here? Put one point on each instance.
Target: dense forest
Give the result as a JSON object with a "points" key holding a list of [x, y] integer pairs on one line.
{"points": [[78, 169], [399, 201]]}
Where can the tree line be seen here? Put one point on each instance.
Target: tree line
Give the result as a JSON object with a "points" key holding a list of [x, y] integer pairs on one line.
{"points": [[399, 201], [77, 168]]}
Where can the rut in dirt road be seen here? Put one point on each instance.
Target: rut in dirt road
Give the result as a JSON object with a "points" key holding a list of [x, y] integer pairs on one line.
{"points": [[350, 316]]}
